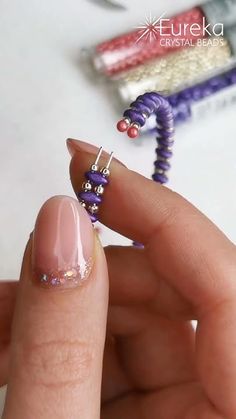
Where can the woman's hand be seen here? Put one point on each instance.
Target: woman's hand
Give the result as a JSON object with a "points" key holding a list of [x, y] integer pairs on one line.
{"points": [[155, 366]]}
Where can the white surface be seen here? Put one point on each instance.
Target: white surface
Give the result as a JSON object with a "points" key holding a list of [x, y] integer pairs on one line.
{"points": [[45, 98]]}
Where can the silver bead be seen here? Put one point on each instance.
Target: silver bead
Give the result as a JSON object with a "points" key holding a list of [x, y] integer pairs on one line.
{"points": [[170, 129], [164, 159], [87, 186], [160, 171], [170, 140], [127, 120], [44, 278], [82, 203], [94, 168], [93, 208], [99, 189], [105, 171]]}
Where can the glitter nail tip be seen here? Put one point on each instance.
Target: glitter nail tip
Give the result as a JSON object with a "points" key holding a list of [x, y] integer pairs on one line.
{"points": [[70, 278]]}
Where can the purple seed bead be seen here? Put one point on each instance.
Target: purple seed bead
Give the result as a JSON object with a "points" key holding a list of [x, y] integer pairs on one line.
{"points": [[186, 94], [90, 197], [165, 123], [161, 164], [148, 102], [135, 117], [232, 74], [182, 117], [164, 134], [215, 82], [139, 106], [160, 178], [139, 245], [207, 91], [93, 217], [165, 119], [96, 178], [167, 154], [183, 112], [173, 99], [165, 142], [232, 78], [197, 93]]}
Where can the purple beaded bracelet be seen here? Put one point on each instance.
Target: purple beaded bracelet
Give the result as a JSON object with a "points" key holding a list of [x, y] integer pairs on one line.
{"points": [[90, 196], [135, 118]]}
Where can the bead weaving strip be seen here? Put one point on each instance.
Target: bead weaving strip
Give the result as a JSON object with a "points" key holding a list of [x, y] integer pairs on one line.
{"points": [[90, 197], [136, 116]]}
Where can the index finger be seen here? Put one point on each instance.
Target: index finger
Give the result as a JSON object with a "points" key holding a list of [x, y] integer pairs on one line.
{"points": [[186, 249], [181, 242]]}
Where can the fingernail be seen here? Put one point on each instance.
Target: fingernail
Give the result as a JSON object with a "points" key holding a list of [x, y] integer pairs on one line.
{"points": [[63, 242], [77, 145]]}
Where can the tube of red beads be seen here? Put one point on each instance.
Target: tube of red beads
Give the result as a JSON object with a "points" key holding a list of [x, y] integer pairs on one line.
{"points": [[131, 49]]}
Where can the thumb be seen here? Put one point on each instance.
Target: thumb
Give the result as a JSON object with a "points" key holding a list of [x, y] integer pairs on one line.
{"points": [[59, 325]]}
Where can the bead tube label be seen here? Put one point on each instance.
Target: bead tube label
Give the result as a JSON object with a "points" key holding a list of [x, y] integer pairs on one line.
{"points": [[214, 103]]}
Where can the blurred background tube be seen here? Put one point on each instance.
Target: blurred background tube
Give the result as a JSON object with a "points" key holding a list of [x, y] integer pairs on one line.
{"points": [[127, 51], [182, 68], [200, 100]]}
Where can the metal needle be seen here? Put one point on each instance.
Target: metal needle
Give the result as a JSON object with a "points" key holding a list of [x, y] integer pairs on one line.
{"points": [[111, 3]]}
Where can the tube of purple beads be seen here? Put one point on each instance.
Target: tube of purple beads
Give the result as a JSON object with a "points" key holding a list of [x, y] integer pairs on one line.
{"points": [[200, 100]]}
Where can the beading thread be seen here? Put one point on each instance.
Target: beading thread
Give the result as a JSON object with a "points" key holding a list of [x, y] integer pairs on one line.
{"points": [[136, 116]]}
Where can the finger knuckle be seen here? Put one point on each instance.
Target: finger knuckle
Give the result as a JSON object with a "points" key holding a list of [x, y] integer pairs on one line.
{"points": [[58, 363]]}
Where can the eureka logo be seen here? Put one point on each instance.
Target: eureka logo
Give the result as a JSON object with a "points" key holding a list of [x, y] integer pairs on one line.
{"points": [[155, 28]]}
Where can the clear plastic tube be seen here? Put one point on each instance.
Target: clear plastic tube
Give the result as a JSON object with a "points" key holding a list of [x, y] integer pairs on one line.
{"points": [[174, 71], [131, 49], [202, 99]]}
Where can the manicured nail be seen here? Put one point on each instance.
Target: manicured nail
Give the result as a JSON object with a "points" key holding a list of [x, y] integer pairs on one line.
{"points": [[77, 145], [63, 242]]}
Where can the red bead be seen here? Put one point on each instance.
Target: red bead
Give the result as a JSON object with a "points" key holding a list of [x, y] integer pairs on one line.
{"points": [[133, 132], [122, 125]]}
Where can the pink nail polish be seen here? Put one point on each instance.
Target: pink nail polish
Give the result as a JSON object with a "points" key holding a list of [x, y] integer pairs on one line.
{"points": [[63, 242]]}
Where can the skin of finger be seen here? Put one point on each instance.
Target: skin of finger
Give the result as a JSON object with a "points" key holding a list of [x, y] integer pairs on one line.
{"points": [[184, 247], [216, 356], [8, 291], [156, 352], [126, 321], [57, 347], [114, 383], [181, 241], [127, 267], [184, 401]]}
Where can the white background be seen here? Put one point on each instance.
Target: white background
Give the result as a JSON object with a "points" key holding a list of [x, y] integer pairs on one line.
{"points": [[46, 98]]}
